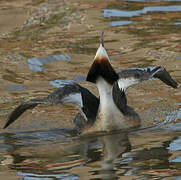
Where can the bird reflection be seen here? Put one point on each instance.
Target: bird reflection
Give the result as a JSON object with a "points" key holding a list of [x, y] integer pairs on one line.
{"points": [[23, 149], [101, 156], [113, 146]]}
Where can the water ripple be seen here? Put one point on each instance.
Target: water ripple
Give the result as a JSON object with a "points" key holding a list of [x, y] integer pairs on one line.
{"points": [[48, 176], [107, 13], [60, 83], [15, 87], [120, 23], [36, 64]]}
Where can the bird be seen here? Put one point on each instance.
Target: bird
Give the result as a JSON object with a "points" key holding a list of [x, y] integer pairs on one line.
{"points": [[110, 110]]}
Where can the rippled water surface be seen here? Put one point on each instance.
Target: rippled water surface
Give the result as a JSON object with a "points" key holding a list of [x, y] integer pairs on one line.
{"points": [[53, 43]]}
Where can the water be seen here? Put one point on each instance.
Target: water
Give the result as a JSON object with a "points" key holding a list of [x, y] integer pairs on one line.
{"points": [[15, 87], [36, 64], [55, 155], [118, 13], [60, 83], [37, 59], [120, 23]]}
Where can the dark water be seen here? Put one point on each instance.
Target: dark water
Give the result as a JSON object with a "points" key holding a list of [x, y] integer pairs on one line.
{"points": [[138, 33], [60, 154]]}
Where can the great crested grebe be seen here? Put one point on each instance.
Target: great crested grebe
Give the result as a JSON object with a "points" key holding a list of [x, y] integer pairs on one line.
{"points": [[108, 112]]}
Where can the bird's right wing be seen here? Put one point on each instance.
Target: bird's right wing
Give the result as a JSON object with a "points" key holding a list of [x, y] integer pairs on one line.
{"points": [[73, 93]]}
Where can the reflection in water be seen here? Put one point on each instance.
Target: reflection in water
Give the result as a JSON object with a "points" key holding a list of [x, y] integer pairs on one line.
{"points": [[113, 147], [15, 87], [36, 64], [116, 13], [177, 23], [79, 78], [61, 83], [28, 176], [163, 115], [148, 1], [107, 13], [57, 154], [33, 159], [120, 23], [175, 145]]}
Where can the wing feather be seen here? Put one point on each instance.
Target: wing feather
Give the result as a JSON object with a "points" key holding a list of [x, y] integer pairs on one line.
{"points": [[73, 93], [136, 75]]}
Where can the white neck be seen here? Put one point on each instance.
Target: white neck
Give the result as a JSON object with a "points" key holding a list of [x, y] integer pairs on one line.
{"points": [[108, 112], [105, 89]]}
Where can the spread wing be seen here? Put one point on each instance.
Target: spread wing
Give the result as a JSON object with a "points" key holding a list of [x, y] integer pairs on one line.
{"points": [[73, 93], [136, 75]]}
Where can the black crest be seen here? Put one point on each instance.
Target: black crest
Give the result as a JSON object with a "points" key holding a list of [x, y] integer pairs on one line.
{"points": [[102, 67]]}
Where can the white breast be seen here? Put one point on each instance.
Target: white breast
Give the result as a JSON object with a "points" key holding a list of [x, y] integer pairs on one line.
{"points": [[110, 116]]}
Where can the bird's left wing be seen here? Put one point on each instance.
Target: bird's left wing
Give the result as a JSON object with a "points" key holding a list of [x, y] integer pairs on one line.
{"points": [[136, 75]]}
